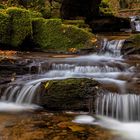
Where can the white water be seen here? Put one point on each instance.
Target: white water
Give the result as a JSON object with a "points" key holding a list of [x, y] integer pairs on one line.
{"points": [[125, 107], [84, 69], [112, 47], [13, 107], [135, 23], [24, 91], [106, 67], [127, 130]]}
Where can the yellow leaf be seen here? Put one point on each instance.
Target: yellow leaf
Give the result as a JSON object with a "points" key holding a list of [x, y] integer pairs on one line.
{"points": [[46, 85], [93, 40], [75, 128]]}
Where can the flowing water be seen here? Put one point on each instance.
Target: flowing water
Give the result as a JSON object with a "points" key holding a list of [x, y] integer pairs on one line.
{"points": [[135, 23], [120, 105]]}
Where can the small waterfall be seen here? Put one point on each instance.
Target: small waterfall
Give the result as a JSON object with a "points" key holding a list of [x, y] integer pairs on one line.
{"points": [[84, 69], [135, 23], [112, 47], [20, 94], [124, 107]]}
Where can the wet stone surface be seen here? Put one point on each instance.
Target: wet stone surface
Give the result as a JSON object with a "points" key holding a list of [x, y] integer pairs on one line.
{"points": [[48, 126]]}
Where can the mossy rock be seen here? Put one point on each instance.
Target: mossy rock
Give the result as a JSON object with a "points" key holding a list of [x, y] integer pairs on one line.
{"points": [[131, 45], [4, 27], [78, 23], [69, 94], [42, 6], [52, 35], [35, 14], [21, 25], [105, 8]]}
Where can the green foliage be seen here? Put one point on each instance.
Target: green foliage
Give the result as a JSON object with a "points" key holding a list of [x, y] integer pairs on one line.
{"points": [[13, 2], [105, 8], [34, 5], [35, 14], [51, 34], [134, 40], [21, 26], [4, 27], [78, 23]]}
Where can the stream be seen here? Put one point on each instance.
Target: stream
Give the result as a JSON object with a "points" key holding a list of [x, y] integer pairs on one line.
{"points": [[117, 112]]}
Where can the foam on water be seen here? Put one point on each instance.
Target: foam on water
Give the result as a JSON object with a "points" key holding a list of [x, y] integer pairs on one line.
{"points": [[127, 130], [13, 107]]}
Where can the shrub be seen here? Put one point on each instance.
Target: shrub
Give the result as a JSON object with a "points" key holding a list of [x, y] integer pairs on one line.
{"points": [[51, 34], [21, 26], [4, 28]]}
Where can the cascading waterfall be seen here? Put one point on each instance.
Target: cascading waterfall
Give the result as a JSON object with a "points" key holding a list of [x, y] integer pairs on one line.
{"points": [[84, 69], [124, 107], [102, 67], [20, 94], [112, 47]]}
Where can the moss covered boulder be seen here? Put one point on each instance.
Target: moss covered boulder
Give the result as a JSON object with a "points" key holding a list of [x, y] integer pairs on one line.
{"points": [[131, 45], [52, 35], [4, 28], [69, 94], [20, 24]]}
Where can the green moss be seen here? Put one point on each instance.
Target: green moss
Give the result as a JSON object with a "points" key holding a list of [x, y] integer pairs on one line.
{"points": [[21, 26], [13, 3], [34, 5], [69, 93], [134, 41], [35, 14], [105, 8], [4, 27], [2, 6], [51, 34]]}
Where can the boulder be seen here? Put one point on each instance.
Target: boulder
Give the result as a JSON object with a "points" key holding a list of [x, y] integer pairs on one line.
{"points": [[51, 35], [20, 23], [69, 94], [4, 28]]}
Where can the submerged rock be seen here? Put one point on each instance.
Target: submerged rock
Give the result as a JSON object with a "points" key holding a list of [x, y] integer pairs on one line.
{"points": [[69, 94]]}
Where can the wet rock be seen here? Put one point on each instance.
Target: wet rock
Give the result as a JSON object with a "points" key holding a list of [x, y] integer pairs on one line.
{"points": [[18, 66], [131, 45], [10, 124], [69, 94]]}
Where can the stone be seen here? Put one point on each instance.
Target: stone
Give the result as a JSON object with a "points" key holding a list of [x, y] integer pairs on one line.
{"points": [[131, 45], [69, 94]]}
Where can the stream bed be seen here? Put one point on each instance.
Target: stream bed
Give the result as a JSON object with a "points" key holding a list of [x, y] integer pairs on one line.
{"points": [[116, 112]]}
